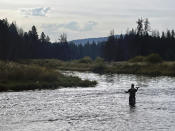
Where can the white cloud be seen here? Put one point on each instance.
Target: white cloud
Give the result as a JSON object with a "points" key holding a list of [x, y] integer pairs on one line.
{"points": [[74, 29], [73, 26], [35, 11], [89, 26]]}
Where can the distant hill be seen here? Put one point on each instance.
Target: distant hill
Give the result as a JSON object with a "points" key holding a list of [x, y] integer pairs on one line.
{"points": [[91, 40]]}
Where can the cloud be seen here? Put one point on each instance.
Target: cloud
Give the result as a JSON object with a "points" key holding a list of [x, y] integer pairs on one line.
{"points": [[89, 26], [35, 11], [73, 26], [152, 12], [74, 29]]}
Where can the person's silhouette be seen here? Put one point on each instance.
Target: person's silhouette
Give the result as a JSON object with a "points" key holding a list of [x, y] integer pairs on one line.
{"points": [[132, 91]]}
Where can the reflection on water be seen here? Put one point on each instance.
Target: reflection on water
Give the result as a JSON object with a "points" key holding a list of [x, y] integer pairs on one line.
{"points": [[132, 109], [110, 78], [104, 107]]}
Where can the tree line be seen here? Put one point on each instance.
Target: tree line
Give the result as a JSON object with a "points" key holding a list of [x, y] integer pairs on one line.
{"points": [[17, 44], [141, 41]]}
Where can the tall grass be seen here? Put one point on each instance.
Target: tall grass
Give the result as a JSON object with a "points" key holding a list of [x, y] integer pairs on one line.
{"points": [[137, 59], [15, 76], [152, 58], [21, 72], [99, 60], [49, 63], [86, 60]]}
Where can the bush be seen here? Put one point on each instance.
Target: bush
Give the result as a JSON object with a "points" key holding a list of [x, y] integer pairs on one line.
{"points": [[137, 59], [153, 58], [86, 60], [99, 60], [99, 68]]}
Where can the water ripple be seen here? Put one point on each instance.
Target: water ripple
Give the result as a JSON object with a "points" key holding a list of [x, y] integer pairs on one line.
{"points": [[103, 108]]}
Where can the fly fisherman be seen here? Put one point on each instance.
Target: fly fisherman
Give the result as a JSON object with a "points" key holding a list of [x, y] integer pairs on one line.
{"points": [[132, 91]]}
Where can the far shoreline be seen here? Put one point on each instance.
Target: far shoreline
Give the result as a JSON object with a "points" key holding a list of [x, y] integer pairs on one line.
{"points": [[149, 66]]}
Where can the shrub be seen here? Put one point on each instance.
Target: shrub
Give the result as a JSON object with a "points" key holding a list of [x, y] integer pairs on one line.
{"points": [[153, 58], [99, 60], [137, 59], [99, 68], [86, 60]]}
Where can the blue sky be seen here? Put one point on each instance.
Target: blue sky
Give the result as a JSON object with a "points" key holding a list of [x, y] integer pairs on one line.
{"points": [[87, 18]]}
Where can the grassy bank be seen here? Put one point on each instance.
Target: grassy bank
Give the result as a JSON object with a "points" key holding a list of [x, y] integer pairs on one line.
{"points": [[151, 65], [17, 77], [141, 68]]}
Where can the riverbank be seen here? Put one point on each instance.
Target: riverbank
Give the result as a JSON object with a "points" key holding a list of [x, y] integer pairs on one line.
{"points": [[163, 68], [17, 77]]}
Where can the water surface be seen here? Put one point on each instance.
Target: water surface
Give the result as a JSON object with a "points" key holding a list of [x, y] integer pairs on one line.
{"points": [[103, 108]]}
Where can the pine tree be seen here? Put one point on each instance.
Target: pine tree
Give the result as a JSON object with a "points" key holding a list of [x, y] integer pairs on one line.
{"points": [[43, 37]]}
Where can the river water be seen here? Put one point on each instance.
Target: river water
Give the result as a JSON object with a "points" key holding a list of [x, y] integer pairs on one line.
{"points": [[101, 108]]}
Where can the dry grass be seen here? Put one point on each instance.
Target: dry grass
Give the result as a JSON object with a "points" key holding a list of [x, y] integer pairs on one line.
{"points": [[15, 76], [135, 66]]}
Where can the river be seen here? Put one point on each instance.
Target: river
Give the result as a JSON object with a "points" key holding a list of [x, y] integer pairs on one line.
{"points": [[101, 108]]}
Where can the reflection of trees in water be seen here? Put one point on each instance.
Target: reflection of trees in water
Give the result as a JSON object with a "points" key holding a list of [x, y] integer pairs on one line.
{"points": [[127, 79], [142, 81], [110, 78], [145, 81], [132, 109]]}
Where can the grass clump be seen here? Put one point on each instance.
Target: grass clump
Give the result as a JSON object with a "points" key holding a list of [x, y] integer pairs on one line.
{"points": [[99, 68], [99, 60], [137, 59], [86, 60], [71, 81], [21, 72], [153, 58]]}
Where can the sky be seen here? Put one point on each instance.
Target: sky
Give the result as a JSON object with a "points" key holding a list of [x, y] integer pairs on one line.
{"points": [[87, 18]]}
